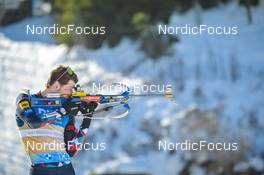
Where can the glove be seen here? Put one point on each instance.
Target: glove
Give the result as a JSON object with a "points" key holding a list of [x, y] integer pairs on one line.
{"points": [[88, 107], [70, 108]]}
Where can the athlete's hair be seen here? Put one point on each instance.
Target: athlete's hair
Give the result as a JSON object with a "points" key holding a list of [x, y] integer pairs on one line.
{"points": [[62, 74]]}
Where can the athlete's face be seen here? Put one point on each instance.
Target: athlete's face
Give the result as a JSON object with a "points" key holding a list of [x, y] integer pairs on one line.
{"points": [[66, 89]]}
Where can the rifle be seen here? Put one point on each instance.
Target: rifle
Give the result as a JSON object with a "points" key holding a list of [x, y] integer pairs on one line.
{"points": [[106, 102]]}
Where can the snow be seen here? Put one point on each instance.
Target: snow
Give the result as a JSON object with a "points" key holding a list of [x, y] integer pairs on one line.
{"points": [[210, 105], [255, 162]]}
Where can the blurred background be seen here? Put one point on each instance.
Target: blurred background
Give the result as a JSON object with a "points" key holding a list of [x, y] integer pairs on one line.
{"points": [[218, 81]]}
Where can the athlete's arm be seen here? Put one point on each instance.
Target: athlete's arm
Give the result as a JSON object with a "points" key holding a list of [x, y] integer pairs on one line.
{"points": [[74, 138]]}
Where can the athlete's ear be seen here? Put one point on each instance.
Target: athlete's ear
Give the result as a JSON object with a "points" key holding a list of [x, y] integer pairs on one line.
{"points": [[57, 85]]}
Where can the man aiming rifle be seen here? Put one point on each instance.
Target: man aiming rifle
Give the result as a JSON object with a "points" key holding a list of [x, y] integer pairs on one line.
{"points": [[48, 125]]}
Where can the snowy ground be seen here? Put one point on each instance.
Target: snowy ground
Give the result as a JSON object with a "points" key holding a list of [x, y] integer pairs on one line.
{"points": [[210, 104]]}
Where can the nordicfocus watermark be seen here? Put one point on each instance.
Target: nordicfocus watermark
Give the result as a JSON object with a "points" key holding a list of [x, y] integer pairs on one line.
{"points": [[55, 146], [189, 29], [201, 145], [133, 88], [56, 29]]}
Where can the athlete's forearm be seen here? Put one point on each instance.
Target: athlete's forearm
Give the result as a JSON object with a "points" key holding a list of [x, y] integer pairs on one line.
{"points": [[74, 138]]}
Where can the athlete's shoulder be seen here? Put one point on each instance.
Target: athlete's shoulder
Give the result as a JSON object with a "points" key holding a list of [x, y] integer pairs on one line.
{"points": [[22, 96], [25, 95]]}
